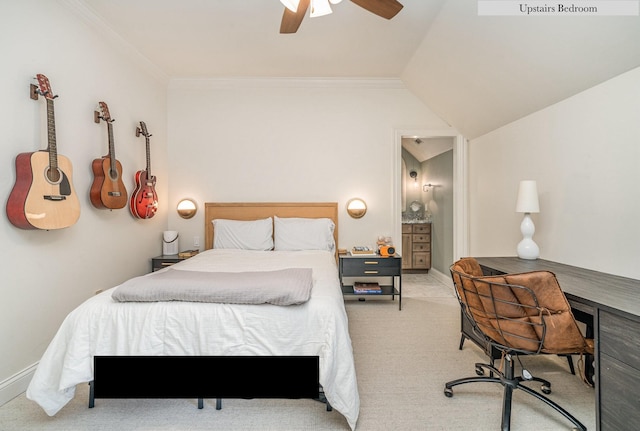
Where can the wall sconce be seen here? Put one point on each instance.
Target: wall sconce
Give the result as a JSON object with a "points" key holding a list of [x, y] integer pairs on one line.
{"points": [[413, 174], [356, 208], [187, 208]]}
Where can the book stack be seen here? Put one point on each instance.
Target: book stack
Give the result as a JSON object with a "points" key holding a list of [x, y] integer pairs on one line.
{"points": [[187, 253], [359, 250], [361, 287]]}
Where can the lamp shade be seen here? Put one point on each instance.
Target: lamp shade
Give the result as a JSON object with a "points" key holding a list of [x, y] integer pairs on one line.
{"points": [[527, 197]]}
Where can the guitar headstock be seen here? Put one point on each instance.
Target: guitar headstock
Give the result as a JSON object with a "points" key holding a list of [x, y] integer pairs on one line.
{"points": [[104, 109], [45, 87], [142, 130]]}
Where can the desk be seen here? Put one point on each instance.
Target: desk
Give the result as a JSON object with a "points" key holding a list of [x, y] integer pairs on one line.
{"points": [[614, 303]]}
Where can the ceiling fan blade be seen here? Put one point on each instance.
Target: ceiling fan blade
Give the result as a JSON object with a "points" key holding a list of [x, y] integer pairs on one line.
{"points": [[384, 8], [291, 20]]}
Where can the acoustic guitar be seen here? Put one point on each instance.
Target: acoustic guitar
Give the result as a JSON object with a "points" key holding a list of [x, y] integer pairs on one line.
{"points": [[43, 196], [108, 190], [144, 199]]}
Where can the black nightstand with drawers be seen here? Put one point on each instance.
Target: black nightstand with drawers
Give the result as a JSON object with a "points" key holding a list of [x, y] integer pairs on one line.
{"points": [[160, 262], [356, 268]]}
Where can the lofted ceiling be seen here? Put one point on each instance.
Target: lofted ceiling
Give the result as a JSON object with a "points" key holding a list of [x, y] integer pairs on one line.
{"points": [[241, 38], [427, 148], [477, 73]]}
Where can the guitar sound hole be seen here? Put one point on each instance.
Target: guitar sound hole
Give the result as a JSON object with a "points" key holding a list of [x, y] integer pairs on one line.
{"points": [[53, 175], [113, 174]]}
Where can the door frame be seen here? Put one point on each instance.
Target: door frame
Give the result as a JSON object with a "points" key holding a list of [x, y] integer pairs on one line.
{"points": [[460, 185]]}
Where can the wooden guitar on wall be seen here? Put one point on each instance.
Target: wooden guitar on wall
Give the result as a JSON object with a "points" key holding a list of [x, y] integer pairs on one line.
{"points": [[108, 190], [144, 200], [43, 196]]}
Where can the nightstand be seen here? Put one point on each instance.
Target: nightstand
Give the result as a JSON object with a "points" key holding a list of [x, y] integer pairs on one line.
{"points": [[359, 268], [163, 261]]}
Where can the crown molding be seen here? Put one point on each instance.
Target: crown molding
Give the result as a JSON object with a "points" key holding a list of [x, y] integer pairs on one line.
{"points": [[284, 82]]}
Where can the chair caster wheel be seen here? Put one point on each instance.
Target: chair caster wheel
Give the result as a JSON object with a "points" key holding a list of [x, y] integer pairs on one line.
{"points": [[545, 389], [479, 371], [448, 392]]}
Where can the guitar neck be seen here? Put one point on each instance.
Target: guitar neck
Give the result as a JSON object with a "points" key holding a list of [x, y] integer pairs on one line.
{"points": [[112, 147], [51, 138], [148, 157]]}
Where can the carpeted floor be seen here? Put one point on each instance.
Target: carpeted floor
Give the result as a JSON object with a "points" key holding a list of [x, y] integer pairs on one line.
{"points": [[403, 358]]}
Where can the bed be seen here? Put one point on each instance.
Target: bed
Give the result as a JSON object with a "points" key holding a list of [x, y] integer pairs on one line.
{"points": [[235, 245]]}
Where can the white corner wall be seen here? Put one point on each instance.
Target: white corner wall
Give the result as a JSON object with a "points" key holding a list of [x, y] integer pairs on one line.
{"points": [[290, 140], [584, 153], [46, 274]]}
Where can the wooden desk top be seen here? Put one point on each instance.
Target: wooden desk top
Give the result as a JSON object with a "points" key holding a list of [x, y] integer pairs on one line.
{"points": [[584, 285]]}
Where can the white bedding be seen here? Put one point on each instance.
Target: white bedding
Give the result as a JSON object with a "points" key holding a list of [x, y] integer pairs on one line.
{"points": [[102, 326]]}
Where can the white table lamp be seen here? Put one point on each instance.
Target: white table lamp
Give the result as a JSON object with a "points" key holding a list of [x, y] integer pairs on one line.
{"points": [[528, 203]]}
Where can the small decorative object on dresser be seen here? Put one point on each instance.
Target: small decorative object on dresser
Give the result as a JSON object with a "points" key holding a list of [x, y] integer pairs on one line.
{"points": [[416, 246]]}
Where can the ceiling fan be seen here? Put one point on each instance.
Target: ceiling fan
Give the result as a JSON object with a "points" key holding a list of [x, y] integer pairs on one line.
{"points": [[295, 10]]}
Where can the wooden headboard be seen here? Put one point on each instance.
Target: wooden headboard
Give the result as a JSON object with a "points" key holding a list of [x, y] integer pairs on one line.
{"points": [[260, 210]]}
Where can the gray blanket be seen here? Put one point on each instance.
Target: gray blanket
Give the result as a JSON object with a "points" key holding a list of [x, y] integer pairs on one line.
{"points": [[282, 287]]}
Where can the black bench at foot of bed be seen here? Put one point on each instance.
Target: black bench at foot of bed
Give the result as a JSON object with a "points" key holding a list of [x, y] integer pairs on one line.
{"points": [[201, 377]]}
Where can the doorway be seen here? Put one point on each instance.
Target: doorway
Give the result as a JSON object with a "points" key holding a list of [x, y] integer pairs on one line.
{"points": [[451, 228]]}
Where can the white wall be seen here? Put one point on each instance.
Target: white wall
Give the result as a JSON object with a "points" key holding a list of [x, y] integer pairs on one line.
{"points": [[584, 153], [438, 171], [290, 140], [45, 274]]}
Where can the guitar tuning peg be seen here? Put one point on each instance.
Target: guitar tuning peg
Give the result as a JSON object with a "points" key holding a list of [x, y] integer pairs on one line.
{"points": [[33, 91]]}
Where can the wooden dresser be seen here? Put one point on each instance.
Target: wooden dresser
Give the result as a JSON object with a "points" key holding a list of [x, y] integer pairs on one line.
{"points": [[416, 246]]}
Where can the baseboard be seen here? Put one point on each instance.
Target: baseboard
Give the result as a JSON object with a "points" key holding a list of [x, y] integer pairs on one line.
{"points": [[446, 279], [16, 384]]}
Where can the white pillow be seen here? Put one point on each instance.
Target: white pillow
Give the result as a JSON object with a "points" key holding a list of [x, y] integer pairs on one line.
{"points": [[293, 233], [244, 235]]}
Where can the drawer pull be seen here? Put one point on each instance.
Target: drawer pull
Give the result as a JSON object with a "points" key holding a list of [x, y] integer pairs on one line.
{"points": [[167, 263], [371, 272], [370, 262]]}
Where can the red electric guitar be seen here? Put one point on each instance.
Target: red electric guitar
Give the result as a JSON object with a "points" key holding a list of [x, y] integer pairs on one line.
{"points": [[144, 200], [107, 190], [43, 196]]}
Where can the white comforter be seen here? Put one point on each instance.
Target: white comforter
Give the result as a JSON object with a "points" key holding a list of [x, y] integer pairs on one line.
{"points": [[102, 326]]}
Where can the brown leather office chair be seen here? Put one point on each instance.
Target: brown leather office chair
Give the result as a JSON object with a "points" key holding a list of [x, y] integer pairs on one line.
{"points": [[518, 314]]}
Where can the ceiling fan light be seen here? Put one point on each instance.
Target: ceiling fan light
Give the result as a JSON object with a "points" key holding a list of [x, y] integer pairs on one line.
{"points": [[320, 8], [292, 5]]}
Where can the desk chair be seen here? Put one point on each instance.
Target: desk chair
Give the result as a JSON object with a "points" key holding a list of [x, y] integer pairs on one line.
{"points": [[474, 270], [518, 314]]}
